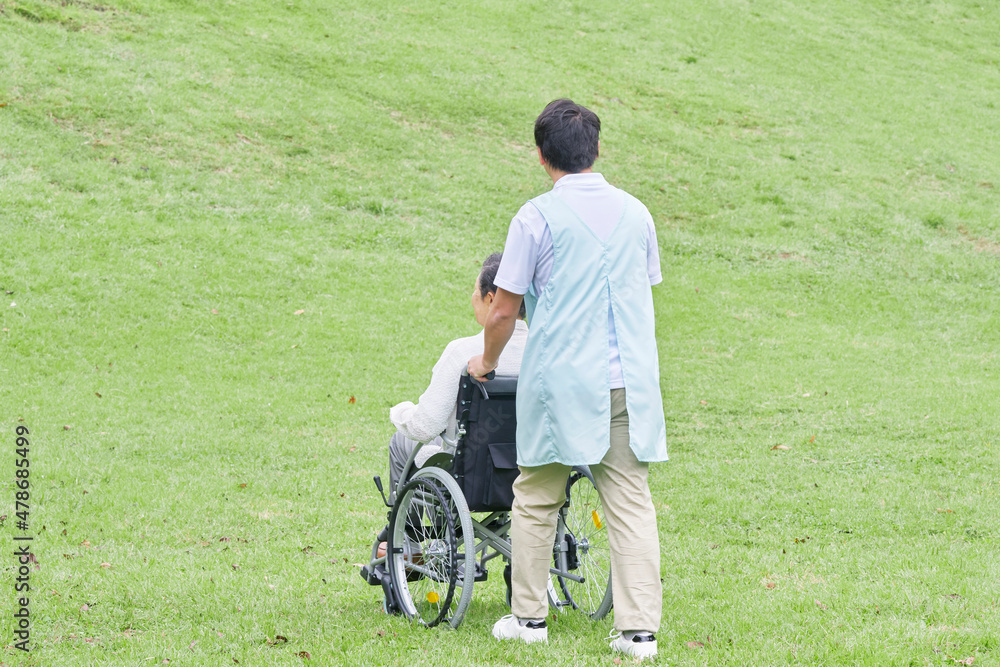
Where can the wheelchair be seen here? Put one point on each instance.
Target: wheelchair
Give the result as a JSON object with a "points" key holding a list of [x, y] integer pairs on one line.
{"points": [[449, 518]]}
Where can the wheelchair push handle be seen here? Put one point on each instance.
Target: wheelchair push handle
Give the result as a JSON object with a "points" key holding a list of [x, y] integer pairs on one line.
{"points": [[489, 376]]}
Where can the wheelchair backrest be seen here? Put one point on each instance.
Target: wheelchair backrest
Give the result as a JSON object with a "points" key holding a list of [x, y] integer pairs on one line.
{"points": [[485, 463]]}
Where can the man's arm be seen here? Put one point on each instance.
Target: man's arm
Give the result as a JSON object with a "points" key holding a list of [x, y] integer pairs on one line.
{"points": [[429, 417], [498, 330]]}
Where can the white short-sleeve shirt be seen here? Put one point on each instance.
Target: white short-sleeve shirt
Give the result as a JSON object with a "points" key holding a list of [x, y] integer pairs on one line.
{"points": [[528, 258]]}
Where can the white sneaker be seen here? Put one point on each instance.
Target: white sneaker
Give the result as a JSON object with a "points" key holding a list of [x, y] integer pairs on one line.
{"points": [[528, 631], [639, 645]]}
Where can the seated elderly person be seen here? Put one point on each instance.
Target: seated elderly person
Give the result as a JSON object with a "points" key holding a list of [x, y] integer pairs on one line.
{"points": [[434, 413]]}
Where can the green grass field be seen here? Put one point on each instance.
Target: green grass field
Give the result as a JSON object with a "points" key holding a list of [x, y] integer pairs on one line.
{"points": [[236, 233]]}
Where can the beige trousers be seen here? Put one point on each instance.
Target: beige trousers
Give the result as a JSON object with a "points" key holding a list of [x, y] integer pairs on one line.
{"points": [[622, 483]]}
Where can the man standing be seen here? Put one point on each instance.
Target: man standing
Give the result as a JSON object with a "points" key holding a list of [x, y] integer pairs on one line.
{"points": [[583, 257]]}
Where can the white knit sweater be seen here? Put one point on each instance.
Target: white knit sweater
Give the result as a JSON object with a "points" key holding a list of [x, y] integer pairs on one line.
{"points": [[434, 413]]}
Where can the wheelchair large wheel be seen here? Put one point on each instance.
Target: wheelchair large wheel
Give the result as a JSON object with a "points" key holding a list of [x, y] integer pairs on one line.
{"points": [[582, 550], [465, 536], [422, 552]]}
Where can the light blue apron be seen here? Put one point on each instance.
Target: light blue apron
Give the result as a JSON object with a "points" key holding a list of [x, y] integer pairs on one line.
{"points": [[563, 394]]}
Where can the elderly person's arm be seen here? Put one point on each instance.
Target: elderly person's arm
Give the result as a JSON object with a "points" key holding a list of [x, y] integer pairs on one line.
{"points": [[497, 331], [429, 417]]}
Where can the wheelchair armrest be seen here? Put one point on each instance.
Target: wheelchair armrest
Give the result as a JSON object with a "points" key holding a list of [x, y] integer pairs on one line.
{"points": [[440, 460]]}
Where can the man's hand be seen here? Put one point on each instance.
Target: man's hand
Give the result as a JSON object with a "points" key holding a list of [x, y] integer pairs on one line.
{"points": [[478, 369]]}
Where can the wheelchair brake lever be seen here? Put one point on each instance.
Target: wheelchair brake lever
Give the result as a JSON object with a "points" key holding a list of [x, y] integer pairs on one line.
{"points": [[482, 387], [378, 485]]}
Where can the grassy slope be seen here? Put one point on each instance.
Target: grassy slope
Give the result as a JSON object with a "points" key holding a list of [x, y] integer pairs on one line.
{"points": [[823, 182]]}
